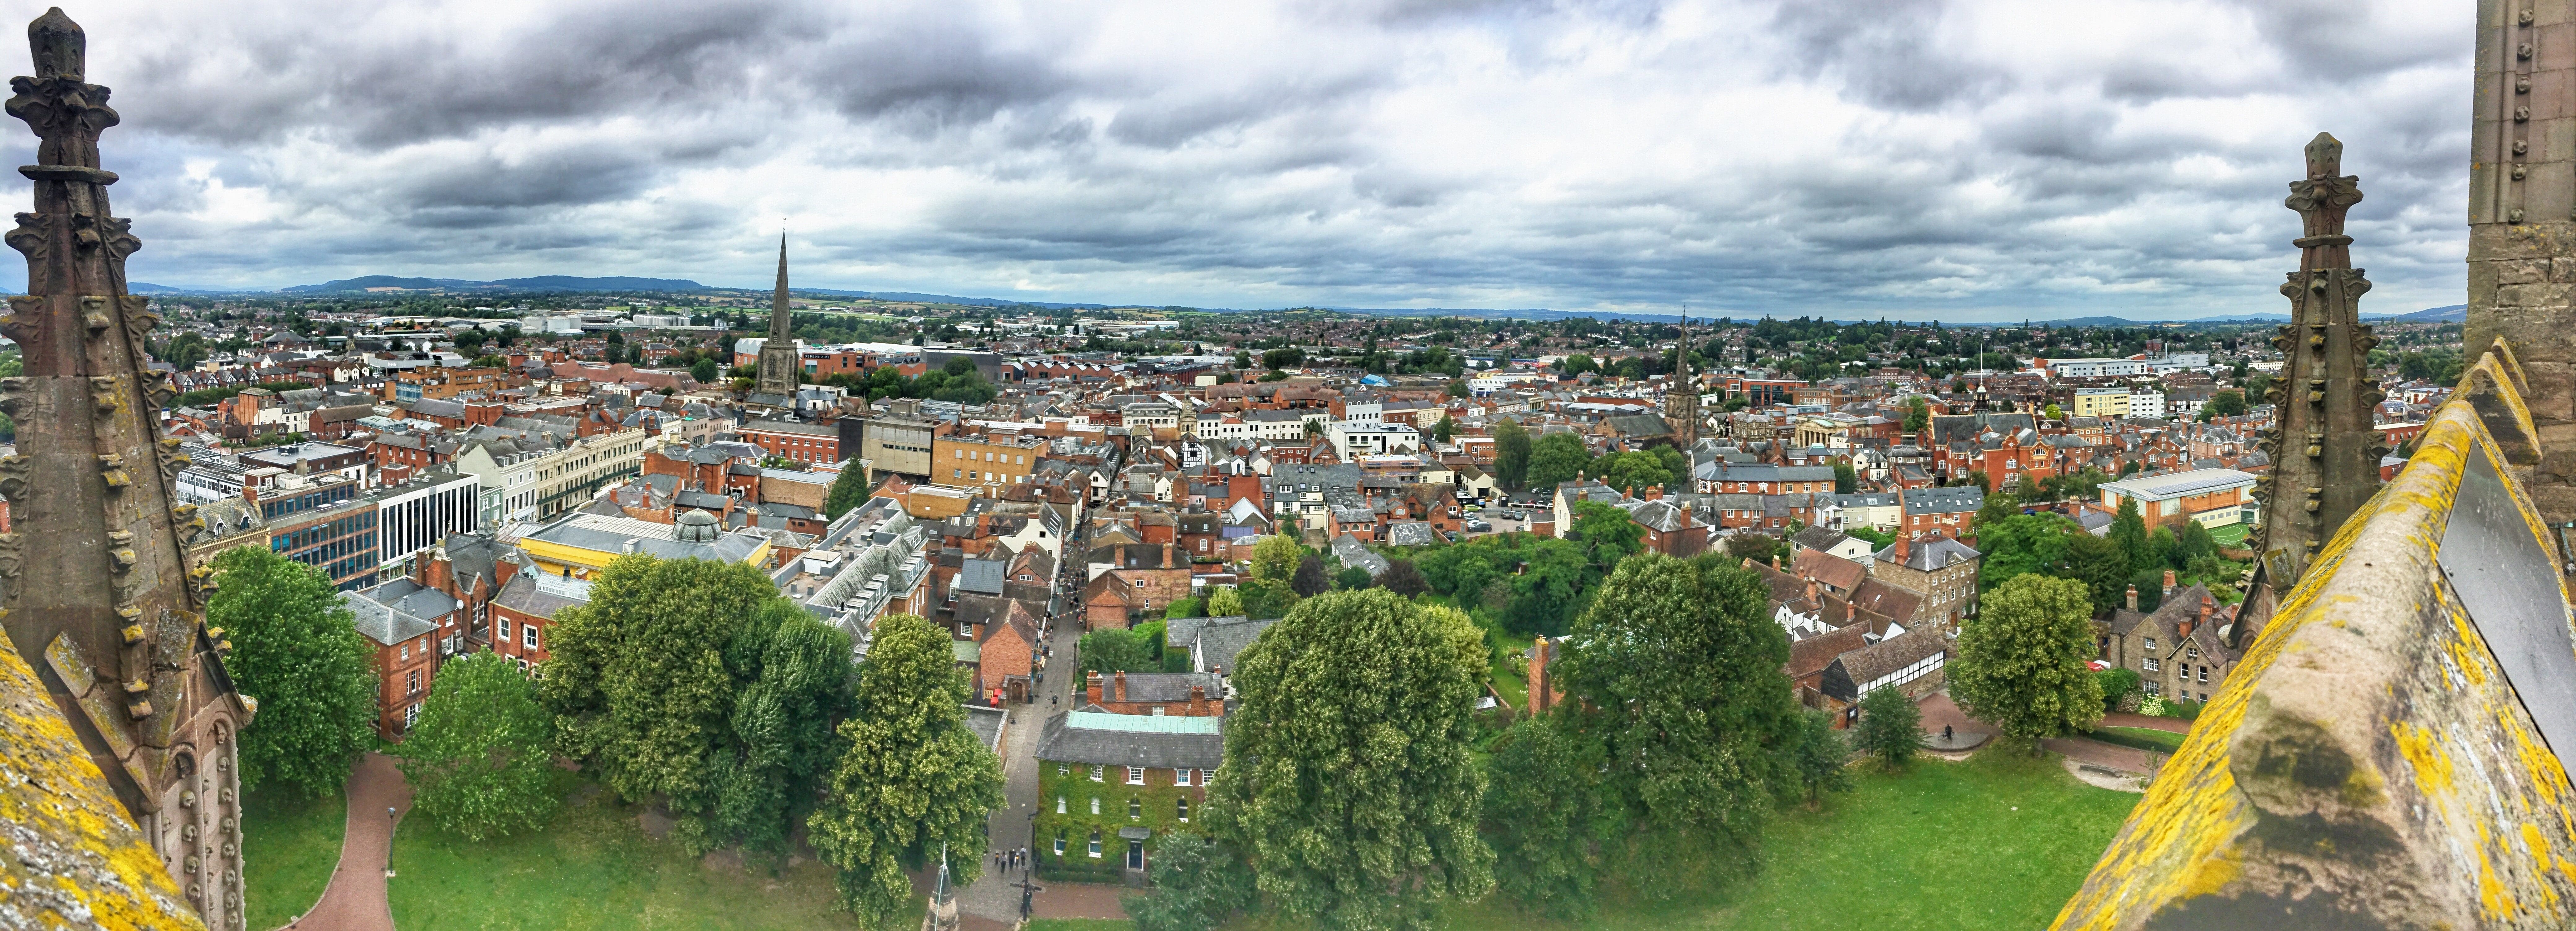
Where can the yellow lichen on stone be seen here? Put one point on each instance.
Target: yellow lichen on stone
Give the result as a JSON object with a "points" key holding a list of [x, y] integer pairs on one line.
{"points": [[76, 860]]}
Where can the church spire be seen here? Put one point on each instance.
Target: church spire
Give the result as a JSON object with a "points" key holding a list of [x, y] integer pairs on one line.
{"points": [[781, 366], [779, 325]]}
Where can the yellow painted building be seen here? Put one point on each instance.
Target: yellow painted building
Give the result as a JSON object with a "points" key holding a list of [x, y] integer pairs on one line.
{"points": [[2100, 402]]}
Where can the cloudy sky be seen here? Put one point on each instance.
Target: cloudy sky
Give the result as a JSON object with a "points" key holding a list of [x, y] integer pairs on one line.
{"points": [[1913, 158]]}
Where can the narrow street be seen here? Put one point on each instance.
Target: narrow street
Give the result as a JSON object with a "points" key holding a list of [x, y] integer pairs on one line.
{"points": [[995, 897]]}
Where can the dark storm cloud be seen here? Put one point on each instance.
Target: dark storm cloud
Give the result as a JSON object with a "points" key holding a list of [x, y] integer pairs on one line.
{"points": [[1920, 157]]}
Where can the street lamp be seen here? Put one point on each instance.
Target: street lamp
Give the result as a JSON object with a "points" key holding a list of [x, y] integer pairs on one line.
{"points": [[392, 821]]}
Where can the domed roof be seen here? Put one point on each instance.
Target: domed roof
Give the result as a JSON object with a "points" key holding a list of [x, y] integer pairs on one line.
{"points": [[696, 526]]}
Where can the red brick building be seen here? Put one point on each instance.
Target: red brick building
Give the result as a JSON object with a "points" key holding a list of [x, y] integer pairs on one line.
{"points": [[525, 609], [1170, 694]]}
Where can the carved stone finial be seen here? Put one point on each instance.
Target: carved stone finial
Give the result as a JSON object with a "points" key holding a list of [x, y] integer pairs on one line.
{"points": [[60, 48], [2322, 197], [2325, 156]]}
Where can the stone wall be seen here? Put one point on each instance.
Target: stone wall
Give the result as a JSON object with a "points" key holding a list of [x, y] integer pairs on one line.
{"points": [[2522, 241]]}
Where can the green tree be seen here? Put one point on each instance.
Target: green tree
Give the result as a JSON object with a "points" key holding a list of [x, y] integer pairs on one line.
{"points": [[1997, 508], [1753, 545], [1578, 364], [1110, 649], [2100, 566], [849, 490], [1352, 578], [2196, 543], [298, 651], [694, 680], [1274, 559], [914, 781], [2020, 664], [1918, 415], [1608, 534], [1198, 885], [2129, 532], [1818, 756], [1544, 816], [1187, 607], [2022, 543], [1224, 602], [1846, 481], [1677, 666], [1311, 579], [1350, 781], [704, 371], [2225, 403], [476, 757], [1511, 454], [1890, 728], [1555, 458], [2166, 549], [1633, 471], [1445, 429], [1402, 578]]}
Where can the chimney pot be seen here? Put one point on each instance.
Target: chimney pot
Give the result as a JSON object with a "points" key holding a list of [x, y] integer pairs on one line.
{"points": [[2133, 598]]}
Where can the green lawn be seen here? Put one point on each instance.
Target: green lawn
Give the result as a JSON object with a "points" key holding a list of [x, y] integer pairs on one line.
{"points": [[1999, 841], [594, 868], [2143, 738], [289, 846], [2229, 535]]}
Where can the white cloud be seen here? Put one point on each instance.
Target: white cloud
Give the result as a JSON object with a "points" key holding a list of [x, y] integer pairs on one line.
{"points": [[1964, 160]]}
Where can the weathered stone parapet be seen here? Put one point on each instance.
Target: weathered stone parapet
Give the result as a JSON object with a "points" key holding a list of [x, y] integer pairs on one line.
{"points": [[75, 860], [2382, 758]]}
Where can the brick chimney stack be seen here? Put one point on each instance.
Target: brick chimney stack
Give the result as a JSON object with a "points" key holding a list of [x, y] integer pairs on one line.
{"points": [[2133, 599], [1091, 687], [2169, 582], [1121, 684]]}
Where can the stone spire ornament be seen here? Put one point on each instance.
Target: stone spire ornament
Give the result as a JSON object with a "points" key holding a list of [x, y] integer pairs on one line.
{"points": [[779, 362], [95, 591], [2324, 447]]}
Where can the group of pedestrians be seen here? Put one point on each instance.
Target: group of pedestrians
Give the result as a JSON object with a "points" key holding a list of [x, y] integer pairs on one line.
{"points": [[1011, 858]]}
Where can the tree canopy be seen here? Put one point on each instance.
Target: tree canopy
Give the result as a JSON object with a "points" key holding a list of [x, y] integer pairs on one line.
{"points": [[1676, 667], [476, 757], [1890, 728], [694, 680], [849, 490], [2021, 663], [299, 652], [1350, 783], [1274, 559], [1511, 453], [1555, 458], [914, 780]]}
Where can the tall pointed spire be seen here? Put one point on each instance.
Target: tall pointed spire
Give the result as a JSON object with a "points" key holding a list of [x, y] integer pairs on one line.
{"points": [[780, 364], [1681, 401], [2325, 452], [779, 324], [95, 588]]}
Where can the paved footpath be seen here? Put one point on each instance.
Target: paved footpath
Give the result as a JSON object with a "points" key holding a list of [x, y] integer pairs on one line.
{"points": [[355, 900]]}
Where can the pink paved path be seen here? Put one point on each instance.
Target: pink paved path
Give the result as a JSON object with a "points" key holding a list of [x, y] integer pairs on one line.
{"points": [[355, 900]]}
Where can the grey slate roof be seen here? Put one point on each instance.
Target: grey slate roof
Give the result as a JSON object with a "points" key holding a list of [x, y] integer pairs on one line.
{"points": [[1351, 552], [982, 576], [534, 593], [1169, 687], [1064, 743], [1221, 640], [386, 624]]}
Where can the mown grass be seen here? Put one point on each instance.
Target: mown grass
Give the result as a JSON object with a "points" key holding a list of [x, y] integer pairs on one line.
{"points": [[289, 847], [593, 867]]}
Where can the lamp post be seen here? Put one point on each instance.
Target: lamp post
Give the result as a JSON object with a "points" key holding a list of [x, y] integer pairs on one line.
{"points": [[392, 821]]}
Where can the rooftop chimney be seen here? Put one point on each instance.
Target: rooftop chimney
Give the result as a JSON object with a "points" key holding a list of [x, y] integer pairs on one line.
{"points": [[2169, 581], [2133, 599], [1121, 682]]}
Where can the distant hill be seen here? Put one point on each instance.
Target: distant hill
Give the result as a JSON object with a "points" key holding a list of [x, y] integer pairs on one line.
{"points": [[539, 283], [2456, 313]]}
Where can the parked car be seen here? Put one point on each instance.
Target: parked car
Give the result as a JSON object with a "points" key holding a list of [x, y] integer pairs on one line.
{"points": [[1478, 526]]}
